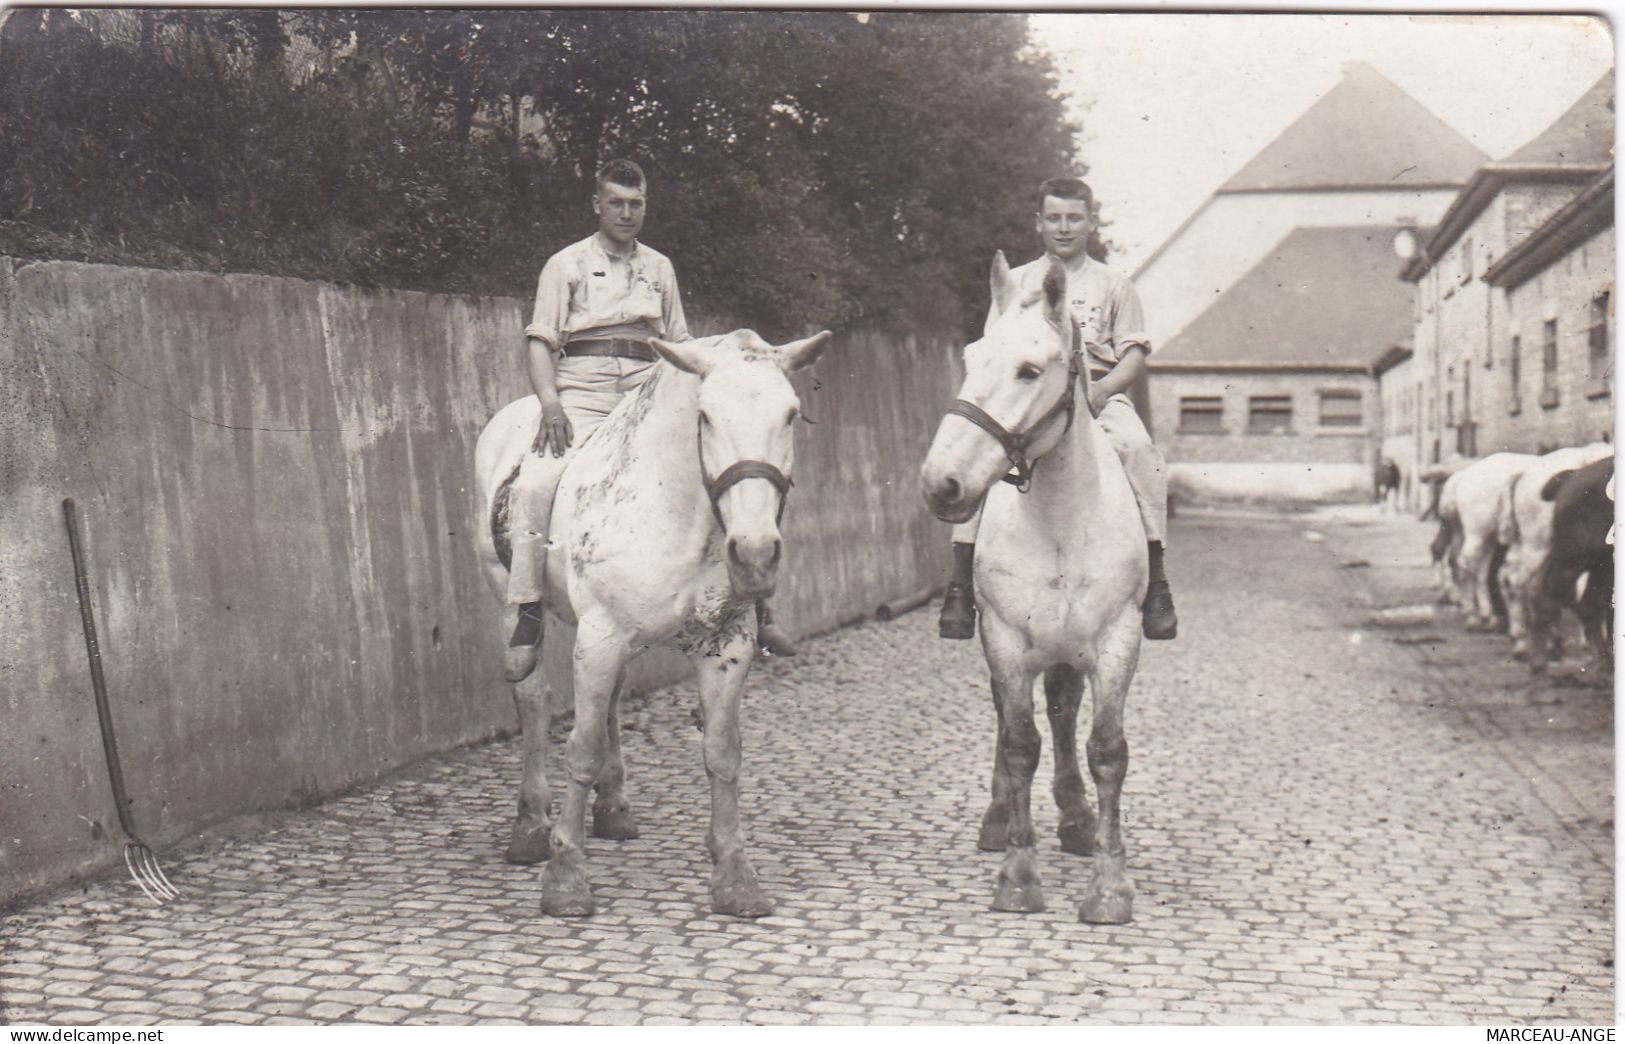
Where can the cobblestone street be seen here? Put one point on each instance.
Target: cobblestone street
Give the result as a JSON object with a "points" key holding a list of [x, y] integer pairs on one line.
{"points": [[1326, 823]]}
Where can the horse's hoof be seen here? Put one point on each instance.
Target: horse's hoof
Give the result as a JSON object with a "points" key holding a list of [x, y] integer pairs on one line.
{"points": [[1010, 898], [1077, 838], [747, 903], [530, 847], [1115, 907], [994, 836], [614, 824], [517, 662], [735, 892], [1018, 888], [567, 904], [565, 889]]}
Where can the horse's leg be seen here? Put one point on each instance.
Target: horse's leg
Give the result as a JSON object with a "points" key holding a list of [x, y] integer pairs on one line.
{"points": [[721, 675], [1063, 692], [530, 842], [1017, 888], [995, 833], [612, 817], [600, 654], [1110, 897], [1475, 583]]}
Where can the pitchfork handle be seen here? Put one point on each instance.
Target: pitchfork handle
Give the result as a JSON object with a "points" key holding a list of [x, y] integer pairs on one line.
{"points": [[104, 714]]}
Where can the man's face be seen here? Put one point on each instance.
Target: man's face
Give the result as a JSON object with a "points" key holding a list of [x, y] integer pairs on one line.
{"points": [[1064, 226], [620, 212]]}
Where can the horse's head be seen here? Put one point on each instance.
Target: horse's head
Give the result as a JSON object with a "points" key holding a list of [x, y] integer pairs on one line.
{"points": [[746, 412], [1017, 400]]}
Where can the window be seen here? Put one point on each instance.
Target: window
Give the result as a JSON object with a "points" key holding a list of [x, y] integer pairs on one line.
{"points": [[1514, 370], [1341, 408], [1201, 413], [1599, 345], [1548, 365], [1269, 414]]}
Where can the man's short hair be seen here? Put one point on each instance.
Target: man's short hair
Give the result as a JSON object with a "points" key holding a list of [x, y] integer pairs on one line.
{"points": [[1065, 188], [623, 172]]}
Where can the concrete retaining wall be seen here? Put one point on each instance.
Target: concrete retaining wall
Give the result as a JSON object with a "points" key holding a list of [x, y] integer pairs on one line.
{"points": [[275, 482]]}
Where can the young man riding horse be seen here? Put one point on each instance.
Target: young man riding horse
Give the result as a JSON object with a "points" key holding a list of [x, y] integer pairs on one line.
{"points": [[1105, 311], [598, 302]]}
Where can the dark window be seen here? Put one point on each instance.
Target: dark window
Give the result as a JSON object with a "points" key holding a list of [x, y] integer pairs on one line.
{"points": [[1599, 345], [1269, 414], [1201, 413], [1341, 408], [1514, 371], [1548, 364]]}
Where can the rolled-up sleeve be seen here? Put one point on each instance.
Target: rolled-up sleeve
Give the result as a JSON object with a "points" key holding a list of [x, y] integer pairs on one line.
{"points": [[1128, 320], [552, 303], [672, 307]]}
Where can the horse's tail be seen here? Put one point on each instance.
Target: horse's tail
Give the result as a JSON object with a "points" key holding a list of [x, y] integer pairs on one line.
{"points": [[1548, 492], [1449, 526], [1506, 514]]}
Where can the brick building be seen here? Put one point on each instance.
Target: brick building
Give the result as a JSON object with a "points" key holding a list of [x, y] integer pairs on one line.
{"points": [[1511, 328], [1268, 395]]}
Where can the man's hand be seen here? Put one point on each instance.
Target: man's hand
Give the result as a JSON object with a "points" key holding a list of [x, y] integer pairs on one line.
{"points": [[1097, 399], [554, 430]]}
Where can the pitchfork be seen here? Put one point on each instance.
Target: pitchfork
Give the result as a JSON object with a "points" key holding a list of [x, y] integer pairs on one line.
{"points": [[142, 864]]}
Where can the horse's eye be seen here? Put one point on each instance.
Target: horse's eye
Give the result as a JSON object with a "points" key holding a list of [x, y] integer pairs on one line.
{"points": [[1028, 372]]}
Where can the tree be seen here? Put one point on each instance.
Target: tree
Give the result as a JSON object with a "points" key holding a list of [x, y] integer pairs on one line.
{"points": [[806, 167]]}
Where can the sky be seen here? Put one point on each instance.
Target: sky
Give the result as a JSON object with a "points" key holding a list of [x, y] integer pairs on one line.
{"points": [[1171, 104]]}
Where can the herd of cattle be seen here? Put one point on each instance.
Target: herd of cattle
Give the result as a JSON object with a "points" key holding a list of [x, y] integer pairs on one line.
{"points": [[1523, 537]]}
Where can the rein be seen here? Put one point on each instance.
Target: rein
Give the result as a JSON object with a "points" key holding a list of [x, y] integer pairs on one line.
{"points": [[1016, 444], [737, 472]]}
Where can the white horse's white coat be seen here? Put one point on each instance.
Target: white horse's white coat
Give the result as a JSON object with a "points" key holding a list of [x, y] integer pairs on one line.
{"points": [[1060, 576], [637, 558]]}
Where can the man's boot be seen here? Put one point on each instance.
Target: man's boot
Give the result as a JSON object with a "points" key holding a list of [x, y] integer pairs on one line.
{"points": [[958, 619], [1157, 619], [519, 659], [768, 636]]}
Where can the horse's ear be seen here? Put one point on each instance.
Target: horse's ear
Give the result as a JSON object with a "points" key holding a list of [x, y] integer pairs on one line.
{"points": [[805, 352], [688, 356], [1001, 284], [1055, 293]]}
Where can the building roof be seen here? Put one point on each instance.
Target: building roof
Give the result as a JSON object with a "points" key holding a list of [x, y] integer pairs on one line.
{"points": [[1364, 132], [1579, 219], [1584, 134], [1575, 149], [1324, 298], [1399, 353]]}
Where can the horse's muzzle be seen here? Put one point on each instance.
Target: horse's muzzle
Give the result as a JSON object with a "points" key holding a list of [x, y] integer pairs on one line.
{"points": [[948, 498], [753, 565]]}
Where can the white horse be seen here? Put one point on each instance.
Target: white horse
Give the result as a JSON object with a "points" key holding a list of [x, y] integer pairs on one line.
{"points": [[664, 532], [1060, 575]]}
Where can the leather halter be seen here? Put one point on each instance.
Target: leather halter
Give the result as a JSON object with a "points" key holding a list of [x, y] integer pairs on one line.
{"points": [[737, 472], [1016, 443]]}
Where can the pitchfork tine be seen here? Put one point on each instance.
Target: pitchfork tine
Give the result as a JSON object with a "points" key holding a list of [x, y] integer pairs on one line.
{"points": [[174, 893], [152, 872], [138, 876]]}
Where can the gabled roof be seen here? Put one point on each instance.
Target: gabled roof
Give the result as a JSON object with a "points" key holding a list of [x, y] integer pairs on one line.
{"points": [[1324, 298], [1364, 132], [1577, 147], [1579, 219], [1584, 134]]}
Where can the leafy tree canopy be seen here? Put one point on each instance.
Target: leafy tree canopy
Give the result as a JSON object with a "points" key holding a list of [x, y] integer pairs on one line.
{"points": [[806, 167]]}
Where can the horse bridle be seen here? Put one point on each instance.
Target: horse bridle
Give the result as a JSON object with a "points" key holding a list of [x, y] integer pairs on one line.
{"points": [[1016, 443], [737, 472]]}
